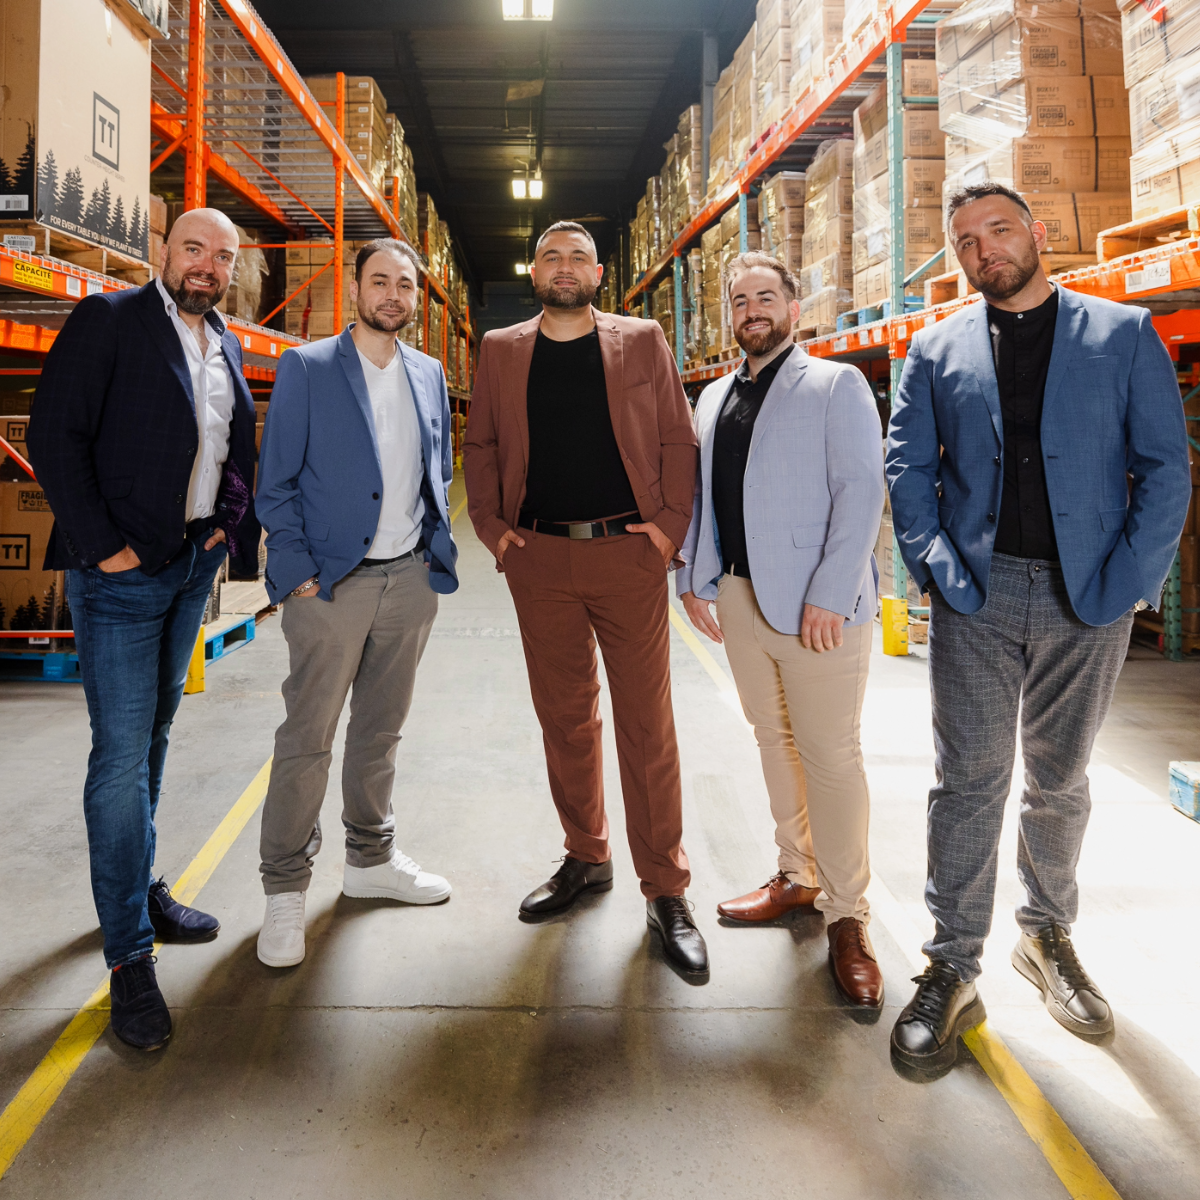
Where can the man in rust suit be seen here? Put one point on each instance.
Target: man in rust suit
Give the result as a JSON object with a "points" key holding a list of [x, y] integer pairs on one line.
{"points": [[580, 462]]}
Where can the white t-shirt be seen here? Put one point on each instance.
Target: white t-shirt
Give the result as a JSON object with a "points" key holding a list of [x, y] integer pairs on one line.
{"points": [[398, 439]]}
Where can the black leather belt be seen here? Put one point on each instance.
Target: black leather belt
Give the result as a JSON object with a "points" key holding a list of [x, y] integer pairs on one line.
{"points": [[201, 529], [741, 570], [383, 562], [580, 530]]}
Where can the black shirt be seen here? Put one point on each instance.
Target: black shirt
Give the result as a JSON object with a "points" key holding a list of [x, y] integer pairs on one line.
{"points": [[575, 469], [731, 448], [1021, 345]]}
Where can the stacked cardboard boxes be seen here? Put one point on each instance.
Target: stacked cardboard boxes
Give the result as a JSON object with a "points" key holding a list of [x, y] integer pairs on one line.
{"points": [[731, 247], [366, 119], [720, 159], [1030, 96], [828, 237], [744, 118], [711, 290], [857, 14], [686, 189], [781, 217], [244, 299], [924, 170], [402, 176], [773, 60], [1161, 47], [816, 30]]}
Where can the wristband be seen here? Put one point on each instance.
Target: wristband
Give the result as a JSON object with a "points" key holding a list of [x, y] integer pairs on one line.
{"points": [[305, 587]]}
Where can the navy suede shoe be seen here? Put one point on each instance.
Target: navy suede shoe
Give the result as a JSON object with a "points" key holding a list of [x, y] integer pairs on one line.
{"points": [[140, 1017], [175, 922]]}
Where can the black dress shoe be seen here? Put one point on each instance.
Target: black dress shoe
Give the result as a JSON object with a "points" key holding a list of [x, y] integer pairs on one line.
{"points": [[140, 1017], [175, 922], [682, 941], [1048, 961], [566, 885], [926, 1035]]}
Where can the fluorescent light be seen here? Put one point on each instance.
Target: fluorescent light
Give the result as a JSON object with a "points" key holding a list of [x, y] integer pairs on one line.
{"points": [[513, 10], [543, 10], [535, 189], [518, 189], [522, 269], [527, 10]]}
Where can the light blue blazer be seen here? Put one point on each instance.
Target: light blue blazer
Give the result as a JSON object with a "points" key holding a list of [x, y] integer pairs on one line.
{"points": [[320, 482], [1114, 449], [813, 495]]}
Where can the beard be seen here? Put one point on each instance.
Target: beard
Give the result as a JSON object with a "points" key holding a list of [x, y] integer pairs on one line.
{"points": [[187, 299], [763, 341], [579, 295], [384, 322], [1010, 279]]}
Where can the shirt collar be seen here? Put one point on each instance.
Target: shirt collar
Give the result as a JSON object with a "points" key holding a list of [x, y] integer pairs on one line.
{"points": [[212, 318], [768, 373], [1045, 311]]}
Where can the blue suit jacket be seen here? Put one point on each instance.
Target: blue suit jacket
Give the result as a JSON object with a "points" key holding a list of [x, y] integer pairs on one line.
{"points": [[113, 436], [813, 495], [319, 478], [1113, 448]]}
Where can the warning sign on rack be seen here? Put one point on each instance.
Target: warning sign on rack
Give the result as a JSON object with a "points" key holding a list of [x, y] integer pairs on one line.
{"points": [[27, 275], [1152, 275]]}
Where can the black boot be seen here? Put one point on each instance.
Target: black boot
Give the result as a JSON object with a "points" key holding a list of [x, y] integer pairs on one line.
{"points": [[566, 885], [1048, 961], [175, 922], [682, 941], [926, 1035], [140, 1017]]}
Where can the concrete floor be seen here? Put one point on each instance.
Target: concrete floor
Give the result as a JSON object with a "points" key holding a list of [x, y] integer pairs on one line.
{"points": [[456, 1052]]}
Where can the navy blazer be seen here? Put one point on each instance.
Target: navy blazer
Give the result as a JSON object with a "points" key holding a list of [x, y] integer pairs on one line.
{"points": [[1114, 449], [320, 482], [113, 436]]}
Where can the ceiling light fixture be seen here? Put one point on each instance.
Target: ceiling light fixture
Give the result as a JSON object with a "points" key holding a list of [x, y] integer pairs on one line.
{"points": [[522, 269], [535, 186], [518, 186], [527, 10]]}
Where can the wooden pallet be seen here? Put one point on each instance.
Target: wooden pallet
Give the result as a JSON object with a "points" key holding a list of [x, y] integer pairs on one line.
{"points": [[52, 243], [1149, 232]]}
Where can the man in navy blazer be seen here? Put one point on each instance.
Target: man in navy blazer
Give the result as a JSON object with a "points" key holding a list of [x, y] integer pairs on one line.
{"points": [[142, 434], [1039, 482], [352, 489]]}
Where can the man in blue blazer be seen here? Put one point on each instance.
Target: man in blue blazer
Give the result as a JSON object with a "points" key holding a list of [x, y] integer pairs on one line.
{"points": [[1039, 481], [142, 434], [789, 494], [352, 490]]}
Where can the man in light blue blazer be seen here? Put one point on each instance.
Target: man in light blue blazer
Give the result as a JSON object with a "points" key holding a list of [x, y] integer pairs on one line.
{"points": [[1039, 481], [789, 494], [352, 490]]}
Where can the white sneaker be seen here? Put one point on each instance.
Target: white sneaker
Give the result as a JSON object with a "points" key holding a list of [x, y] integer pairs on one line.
{"points": [[281, 939], [401, 879]]}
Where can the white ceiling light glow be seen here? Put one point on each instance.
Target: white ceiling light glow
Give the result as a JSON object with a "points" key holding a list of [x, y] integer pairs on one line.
{"points": [[527, 10], [518, 186], [522, 269], [535, 188]]}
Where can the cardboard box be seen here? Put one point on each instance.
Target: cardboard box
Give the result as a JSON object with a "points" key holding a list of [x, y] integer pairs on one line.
{"points": [[1162, 190], [824, 307], [834, 200], [923, 180], [787, 189], [28, 594], [831, 271], [921, 139], [816, 33], [832, 159], [871, 286], [73, 128], [1037, 106], [1073, 221], [923, 235], [919, 77], [821, 240], [1082, 164], [360, 89]]}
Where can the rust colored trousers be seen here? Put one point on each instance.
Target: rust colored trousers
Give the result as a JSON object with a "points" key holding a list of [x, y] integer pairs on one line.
{"points": [[569, 595]]}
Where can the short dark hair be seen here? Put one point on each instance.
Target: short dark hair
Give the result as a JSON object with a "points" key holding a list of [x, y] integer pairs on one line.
{"points": [[565, 227], [980, 191], [756, 258], [393, 244]]}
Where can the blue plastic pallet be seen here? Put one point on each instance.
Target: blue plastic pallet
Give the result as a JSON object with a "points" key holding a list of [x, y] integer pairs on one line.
{"points": [[229, 639], [55, 667]]}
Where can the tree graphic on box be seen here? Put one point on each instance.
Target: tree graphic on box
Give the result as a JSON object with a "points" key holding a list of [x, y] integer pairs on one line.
{"points": [[24, 177], [116, 226], [69, 204], [48, 176], [27, 615], [99, 208]]}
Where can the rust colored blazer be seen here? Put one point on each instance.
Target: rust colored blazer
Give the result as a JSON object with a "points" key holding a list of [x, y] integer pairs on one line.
{"points": [[650, 418]]}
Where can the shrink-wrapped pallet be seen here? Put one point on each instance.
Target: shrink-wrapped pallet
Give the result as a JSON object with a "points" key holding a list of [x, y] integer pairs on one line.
{"points": [[816, 29], [773, 60]]}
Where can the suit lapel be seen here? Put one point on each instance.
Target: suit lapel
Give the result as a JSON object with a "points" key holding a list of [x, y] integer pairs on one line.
{"points": [[979, 351], [352, 369], [786, 379], [1068, 332], [708, 430], [421, 399], [232, 350], [162, 330], [612, 354], [517, 383]]}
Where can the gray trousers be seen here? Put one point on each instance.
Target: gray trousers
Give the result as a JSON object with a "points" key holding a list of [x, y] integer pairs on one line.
{"points": [[369, 637], [1023, 657]]}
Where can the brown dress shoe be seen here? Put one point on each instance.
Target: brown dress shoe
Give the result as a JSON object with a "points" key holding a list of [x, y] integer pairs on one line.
{"points": [[852, 964], [779, 895]]}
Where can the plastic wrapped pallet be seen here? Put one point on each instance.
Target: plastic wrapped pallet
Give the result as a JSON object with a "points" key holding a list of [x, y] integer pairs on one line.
{"points": [[744, 127], [1157, 36], [828, 206], [710, 287], [781, 214], [816, 29], [820, 310], [773, 60], [720, 161], [1083, 164], [1165, 174], [366, 119], [689, 163], [834, 270], [857, 14]]}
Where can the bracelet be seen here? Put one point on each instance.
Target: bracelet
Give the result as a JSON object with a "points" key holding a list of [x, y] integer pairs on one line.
{"points": [[305, 587]]}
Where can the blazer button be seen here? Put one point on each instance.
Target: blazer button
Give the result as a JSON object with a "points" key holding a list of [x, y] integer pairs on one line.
{"points": [[374, 495], [996, 461], [366, 541], [178, 499], [992, 518]]}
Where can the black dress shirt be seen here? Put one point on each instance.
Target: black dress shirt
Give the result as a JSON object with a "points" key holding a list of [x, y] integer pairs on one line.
{"points": [[1021, 346], [731, 448], [575, 470]]}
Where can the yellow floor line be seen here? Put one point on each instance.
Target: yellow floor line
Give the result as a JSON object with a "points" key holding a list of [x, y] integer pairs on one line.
{"points": [[458, 511], [1078, 1172], [39, 1092]]}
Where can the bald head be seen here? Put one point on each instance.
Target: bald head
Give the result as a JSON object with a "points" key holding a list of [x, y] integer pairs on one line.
{"points": [[197, 260]]}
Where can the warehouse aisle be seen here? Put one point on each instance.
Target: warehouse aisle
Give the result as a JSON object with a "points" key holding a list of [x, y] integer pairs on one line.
{"points": [[456, 1052]]}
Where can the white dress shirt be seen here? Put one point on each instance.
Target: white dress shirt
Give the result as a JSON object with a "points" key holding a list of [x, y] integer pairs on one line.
{"points": [[398, 440], [212, 390]]}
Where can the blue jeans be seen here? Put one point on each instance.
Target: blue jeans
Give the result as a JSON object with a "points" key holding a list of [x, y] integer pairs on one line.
{"points": [[1023, 660], [135, 634]]}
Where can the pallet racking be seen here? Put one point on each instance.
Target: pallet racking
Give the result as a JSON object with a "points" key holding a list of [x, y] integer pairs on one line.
{"points": [[1155, 260]]}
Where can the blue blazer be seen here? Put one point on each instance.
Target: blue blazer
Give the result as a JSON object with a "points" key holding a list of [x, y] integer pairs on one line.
{"points": [[113, 436], [813, 495], [319, 479], [1113, 448]]}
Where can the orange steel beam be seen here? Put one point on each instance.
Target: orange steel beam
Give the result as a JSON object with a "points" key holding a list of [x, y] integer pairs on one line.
{"points": [[339, 205], [268, 171], [162, 158], [19, 459], [297, 292], [194, 181]]}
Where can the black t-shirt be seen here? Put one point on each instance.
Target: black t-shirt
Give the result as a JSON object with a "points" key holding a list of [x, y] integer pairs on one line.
{"points": [[575, 469]]}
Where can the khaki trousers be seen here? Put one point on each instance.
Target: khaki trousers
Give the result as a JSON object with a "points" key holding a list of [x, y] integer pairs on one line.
{"points": [[805, 709], [369, 637], [569, 594]]}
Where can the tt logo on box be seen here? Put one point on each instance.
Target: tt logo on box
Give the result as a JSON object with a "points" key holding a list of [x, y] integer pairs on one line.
{"points": [[106, 132], [14, 551]]}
